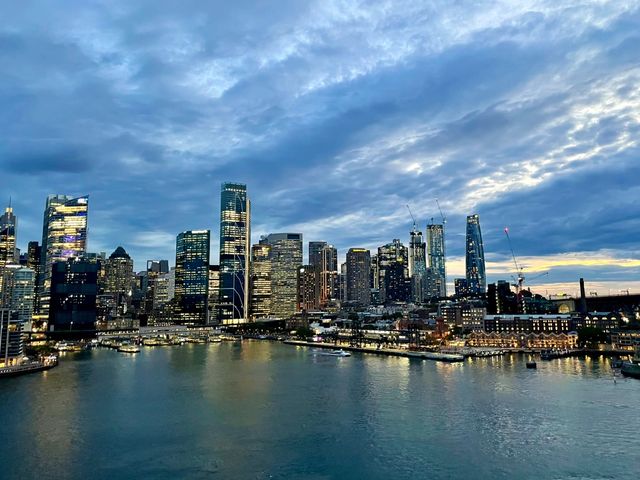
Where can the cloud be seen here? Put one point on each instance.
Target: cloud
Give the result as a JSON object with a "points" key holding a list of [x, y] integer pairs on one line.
{"points": [[336, 115]]}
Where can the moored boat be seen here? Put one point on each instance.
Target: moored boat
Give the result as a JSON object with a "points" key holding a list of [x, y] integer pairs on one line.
{"points": [[632, 367], [532, 364], [337, 353], [129, 348]]}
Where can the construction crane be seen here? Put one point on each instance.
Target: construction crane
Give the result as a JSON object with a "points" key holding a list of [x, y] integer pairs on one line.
{"points": [[412, 217], [519, 278], [444, 219]]}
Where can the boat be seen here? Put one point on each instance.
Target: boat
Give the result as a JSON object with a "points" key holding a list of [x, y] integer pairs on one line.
{"points": [[553, 354], [532, 364], [616, 362], [128, 348], [337, 353], [31, 366], [632, 367], [68, 347]]}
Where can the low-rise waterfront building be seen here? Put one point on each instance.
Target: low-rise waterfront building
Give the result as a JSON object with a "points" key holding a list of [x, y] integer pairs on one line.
{"points": [[536, 341], [527, 323]]}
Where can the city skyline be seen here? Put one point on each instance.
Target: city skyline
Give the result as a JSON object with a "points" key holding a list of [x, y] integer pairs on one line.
{"points": [[514, 113]]}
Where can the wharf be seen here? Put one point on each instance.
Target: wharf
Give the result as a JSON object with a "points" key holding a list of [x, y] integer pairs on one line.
{"points": [[443, 357]]}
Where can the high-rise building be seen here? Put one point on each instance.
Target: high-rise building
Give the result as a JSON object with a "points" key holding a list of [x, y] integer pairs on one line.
{"points": [[260, 280], [19, 292], [192, 277], [74, 288], [155, 269], [118, 279], [286, 257], [34, 253], [475, 266], [325, 258], [308, 287], [8, 227], [417, 265], [393, 272], [214, 292], [64, 237], [436, 257], [315, 253], [358, 271], [461, 287], [11, 342], [235, 237]]}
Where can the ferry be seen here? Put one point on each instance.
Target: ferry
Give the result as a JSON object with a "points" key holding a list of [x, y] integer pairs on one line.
{"points": [[129, 348], [31, 366], [632, 368]]}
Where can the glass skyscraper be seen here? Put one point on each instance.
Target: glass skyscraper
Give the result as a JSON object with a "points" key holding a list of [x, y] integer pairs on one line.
{"points": [[235, 238], [436, 256], [417, 265], [192, 277], [8, 224], [64, 237], [476, 276], [260, 280]]}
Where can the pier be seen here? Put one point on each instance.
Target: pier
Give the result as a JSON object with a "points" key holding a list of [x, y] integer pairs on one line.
{"points": [[442, 357]]}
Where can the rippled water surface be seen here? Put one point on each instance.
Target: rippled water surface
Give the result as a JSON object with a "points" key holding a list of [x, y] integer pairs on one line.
{"points": [[270, 411]]}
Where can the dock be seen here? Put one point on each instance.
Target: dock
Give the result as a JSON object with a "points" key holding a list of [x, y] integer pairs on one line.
{"points": [[441, 357]]}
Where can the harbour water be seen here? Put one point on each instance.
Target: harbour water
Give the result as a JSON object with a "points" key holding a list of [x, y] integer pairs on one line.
{"points": [[262, 410]]}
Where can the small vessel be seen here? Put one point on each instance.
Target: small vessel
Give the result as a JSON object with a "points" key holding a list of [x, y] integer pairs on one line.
{"points": [[616, 362], [338, 353], [532, 364], [632, 368], [129, 348]]}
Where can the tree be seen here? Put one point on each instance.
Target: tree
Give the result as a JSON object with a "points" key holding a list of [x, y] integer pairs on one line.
{"points": [[590, 337], [304, 333]]}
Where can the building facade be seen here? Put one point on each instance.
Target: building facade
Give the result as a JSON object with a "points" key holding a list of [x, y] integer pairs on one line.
{"points": [[260, 280], [474, 259], [417, 266], [235, 237], [437, 260], [192, 277], [393, 271], [308, 288], [358, 272], [64, 237], [286, 258], [74, 288], [8, 228]]}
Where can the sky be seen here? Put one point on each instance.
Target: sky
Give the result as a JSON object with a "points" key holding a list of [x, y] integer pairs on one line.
{"points": [[336, 114]]}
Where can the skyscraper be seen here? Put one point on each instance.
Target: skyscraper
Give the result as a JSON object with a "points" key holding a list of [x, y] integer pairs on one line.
{"points": [[74, 289], [192, 277], [417, 265], [19, 292], [308, 287], [260, 280], [286, 257], [324, 258], [8, 226], [393, 272], [64, 237], [235, 237], [475, 267], [436, 257], [358, 266], [119, 279]]}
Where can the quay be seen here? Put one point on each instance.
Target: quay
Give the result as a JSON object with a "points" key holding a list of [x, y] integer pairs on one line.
{"points": [[443, 357]]}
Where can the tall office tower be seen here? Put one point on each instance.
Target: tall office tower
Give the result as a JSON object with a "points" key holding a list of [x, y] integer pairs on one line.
{"points": [[343, 282], [375, 273], [315, 253], [74, 288], [417, 265], [118, 279], [393, 257], [64, 237], [260, 305], [235, 237], [155, 268], [20, 292], [286, 257], [476, 277], [358, 276], [461, 287], [329, 277], [11, 341], [308, 287], [8, 227], [192, 277], [214, 291], [436, 256], [34, 252]]}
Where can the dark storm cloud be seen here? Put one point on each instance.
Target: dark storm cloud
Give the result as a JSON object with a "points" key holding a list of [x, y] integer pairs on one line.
{"points": [[336, 115]]}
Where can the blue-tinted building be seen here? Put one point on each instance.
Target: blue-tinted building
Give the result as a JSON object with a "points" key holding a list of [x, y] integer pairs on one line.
{"points": [[235, 236], [475, 266], [192, 277]]}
